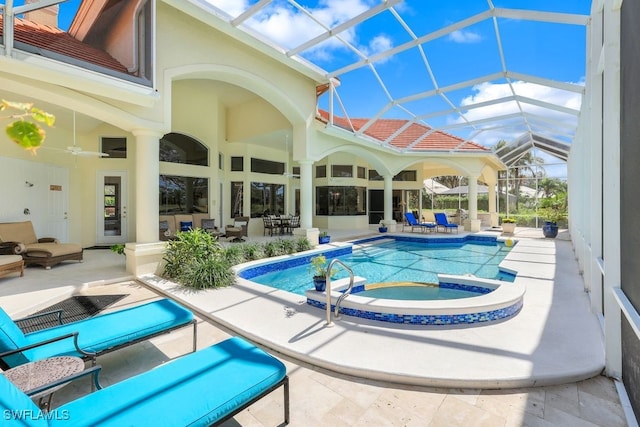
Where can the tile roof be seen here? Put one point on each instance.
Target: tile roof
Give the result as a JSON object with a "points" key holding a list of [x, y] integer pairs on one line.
{"points": [[382, 129], [55, 40]]}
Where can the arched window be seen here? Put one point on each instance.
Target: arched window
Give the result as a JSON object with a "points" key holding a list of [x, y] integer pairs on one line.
{"points": [[179, 148]]}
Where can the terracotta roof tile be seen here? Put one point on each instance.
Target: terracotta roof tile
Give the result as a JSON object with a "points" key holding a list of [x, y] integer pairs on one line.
{"points": [[58, 41], [382, 129]]}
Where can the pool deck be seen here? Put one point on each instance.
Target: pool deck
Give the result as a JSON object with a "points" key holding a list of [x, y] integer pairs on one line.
{"points": [[555, 339]]}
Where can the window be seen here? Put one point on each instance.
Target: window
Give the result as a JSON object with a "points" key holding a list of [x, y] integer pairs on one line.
{"points": [[406, 176], [178, 148], [266, 199], [237, 202], [183, 195], [374, 175], [362, 172], [267, 166], [237, 164], [296, 172], [116, 148], [220, 161], [341, 201], [321, 171], [342, 171]]}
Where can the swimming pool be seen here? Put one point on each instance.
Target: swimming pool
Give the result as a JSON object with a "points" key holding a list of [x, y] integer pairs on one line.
{"points": [[497, 298], [396, 260], [416, 291]]}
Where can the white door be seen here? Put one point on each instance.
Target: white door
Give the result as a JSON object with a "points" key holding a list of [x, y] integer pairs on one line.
{"points": [[57, 188], [112, 194]]}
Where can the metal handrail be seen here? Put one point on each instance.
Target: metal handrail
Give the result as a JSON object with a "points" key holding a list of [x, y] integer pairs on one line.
{"points": [[343, 296]]}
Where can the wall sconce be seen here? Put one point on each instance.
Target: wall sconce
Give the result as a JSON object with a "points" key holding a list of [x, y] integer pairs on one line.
{"points": [[28, 184]]}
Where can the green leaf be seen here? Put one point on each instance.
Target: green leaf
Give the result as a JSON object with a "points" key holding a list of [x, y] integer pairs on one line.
{"points": [[27, 135], [43, 117]]}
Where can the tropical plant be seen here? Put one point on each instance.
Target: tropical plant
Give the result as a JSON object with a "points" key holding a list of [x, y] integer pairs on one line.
{"points": [[26, 130], [196, 259], [119, 249], [303, 244], [319, 266], [252, 251], [234, 254], [287, 246]]}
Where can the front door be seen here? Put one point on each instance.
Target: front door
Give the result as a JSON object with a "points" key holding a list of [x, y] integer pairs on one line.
{"points": [[112, 204]]}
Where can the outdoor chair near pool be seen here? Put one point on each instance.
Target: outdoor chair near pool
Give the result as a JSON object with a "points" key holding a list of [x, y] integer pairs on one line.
{"points": [[89, 338], [441, 221], [203, 388], [413, 222]]}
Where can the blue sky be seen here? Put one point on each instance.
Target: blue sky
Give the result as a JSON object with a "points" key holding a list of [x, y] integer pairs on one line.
{"points": [[541, 49], [546, 50]]}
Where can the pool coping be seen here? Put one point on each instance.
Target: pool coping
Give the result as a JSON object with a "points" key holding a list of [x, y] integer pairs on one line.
{"points": [[554, 339]]}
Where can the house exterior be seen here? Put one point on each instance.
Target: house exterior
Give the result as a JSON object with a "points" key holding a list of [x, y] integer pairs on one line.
{"points": [[198, 116]]}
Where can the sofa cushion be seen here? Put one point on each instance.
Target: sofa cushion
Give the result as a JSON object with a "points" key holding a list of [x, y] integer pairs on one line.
{"points": [[22, 232], [52, 249], [11, 338], [115, 329], [186, 225], [13, 401], [9, 259], [195, 390]]}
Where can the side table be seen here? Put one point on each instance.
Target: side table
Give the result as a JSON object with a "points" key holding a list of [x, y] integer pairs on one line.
{"points": [[42, 372]]}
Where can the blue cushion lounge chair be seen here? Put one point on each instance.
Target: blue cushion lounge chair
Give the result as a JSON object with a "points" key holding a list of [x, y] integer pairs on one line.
{"points": [[441, 221], [413, 222], [203, 388], [93, 336]]}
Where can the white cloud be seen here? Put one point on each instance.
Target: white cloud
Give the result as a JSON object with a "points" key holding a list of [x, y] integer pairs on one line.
{"points": [[288, 27], [460, 36], [490, 91]]}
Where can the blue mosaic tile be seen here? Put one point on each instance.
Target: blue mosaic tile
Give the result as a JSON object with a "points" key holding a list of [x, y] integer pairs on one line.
{"points": [[428, 319], [294, 261]]}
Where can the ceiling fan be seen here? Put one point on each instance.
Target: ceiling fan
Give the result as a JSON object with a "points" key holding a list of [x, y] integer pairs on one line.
{"points": [[75, 149]]}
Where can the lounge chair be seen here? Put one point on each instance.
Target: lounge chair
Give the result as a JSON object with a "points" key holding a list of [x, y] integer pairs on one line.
{"points": [[239, 230], [91, 337], [441, 221], [203, 388], [413, 222]]}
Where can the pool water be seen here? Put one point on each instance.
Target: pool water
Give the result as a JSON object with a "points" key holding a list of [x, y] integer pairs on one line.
{"points": [[403, 261], [416, 292]]}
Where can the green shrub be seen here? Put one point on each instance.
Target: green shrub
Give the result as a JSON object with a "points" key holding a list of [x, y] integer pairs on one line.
{"points": [[195, 259], [287, 246], [234, 254], [252, 251], [303, 244], [272, 248]]}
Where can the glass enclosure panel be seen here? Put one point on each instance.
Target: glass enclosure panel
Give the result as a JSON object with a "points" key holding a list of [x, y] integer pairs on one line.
{"points": [[178, 148], [267, 199], [112, 206], [95, 39], [342, 171], [267, 166], [183, 195], [341, 201], [237, 204]]}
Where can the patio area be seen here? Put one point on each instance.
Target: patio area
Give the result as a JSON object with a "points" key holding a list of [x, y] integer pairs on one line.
{"points": [[334, 382]]}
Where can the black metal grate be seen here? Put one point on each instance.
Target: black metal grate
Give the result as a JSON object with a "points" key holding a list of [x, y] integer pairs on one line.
{"points": [[73, 309]]}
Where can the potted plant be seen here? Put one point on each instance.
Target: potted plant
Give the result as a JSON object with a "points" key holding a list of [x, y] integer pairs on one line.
{"points": [[508, 225], [324, 238], [382, 227], [319, 268], [551, 217]]}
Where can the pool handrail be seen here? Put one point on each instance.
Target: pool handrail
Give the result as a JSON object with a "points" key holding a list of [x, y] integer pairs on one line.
{"points": [[328, 290]]}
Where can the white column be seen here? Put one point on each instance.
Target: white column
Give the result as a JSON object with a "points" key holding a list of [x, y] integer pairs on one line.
{"points": [[388, 199], [473, 223], [147, 185], [306, 193], [493, 211], [611, 188]]}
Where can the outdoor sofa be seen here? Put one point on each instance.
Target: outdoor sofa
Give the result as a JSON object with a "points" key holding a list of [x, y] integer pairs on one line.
{"points": [[19, 238], [11, 264], [93, 336], [203, 388]]}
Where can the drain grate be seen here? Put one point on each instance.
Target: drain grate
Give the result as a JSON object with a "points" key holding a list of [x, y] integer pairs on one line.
{"points": [[73, 309]]}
